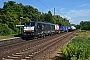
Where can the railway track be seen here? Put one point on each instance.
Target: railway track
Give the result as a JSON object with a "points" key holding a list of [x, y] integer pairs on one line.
{"points": [[33, 50], [9, 42], [7, 50]]}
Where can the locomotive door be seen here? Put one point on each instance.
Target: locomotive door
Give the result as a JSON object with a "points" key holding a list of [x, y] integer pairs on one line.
{"points": [[39, 27]]}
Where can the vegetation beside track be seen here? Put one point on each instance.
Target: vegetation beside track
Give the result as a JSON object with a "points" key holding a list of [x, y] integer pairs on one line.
{"points": [[5, 37], [78, 48]]}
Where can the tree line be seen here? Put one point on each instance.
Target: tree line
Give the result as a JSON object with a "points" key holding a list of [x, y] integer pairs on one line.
{"points": [[84, 25], [11, 12]]}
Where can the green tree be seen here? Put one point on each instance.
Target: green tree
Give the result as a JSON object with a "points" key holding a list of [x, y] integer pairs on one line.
{"points": [[5, 30], [85, 25], [12, 7], [31, 12], [49, 17]]}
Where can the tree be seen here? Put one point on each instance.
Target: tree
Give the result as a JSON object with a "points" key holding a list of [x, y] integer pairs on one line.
{"points": [[77, 26], [85, 25], [31, 12], [12, 7], [5, 30], [49, 17]]}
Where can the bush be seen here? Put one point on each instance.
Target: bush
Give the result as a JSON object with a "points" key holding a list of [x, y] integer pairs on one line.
{"points": [[15, 31], [78, 48], [5, 30], [82, 30]]}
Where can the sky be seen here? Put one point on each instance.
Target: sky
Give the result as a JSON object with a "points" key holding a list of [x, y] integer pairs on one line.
{"points": [[74, 10]]}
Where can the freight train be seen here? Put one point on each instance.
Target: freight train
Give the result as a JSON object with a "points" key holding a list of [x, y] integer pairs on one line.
{"points": [[38, 29]]}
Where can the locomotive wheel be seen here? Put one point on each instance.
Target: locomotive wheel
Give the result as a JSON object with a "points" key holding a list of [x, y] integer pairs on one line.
{"points": [[43, 35], [50, 34], [36, 37]]}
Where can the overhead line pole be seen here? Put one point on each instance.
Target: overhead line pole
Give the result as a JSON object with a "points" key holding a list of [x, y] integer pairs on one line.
{"points": [[54, 16]]}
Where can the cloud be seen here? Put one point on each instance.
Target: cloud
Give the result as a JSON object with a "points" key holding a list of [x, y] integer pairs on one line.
{"points": [[69, 18], [85, 20], [65, 16], [83, 5], [61, 9], [71, 21], [76, 16], [77, 13]]}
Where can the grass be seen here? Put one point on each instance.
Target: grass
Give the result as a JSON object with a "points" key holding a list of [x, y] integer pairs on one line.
{"points": [[84, 33], [5, 37]]}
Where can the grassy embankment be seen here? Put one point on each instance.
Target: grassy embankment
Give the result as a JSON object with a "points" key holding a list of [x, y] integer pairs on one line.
{"points": [[78, 48], [5, 37]]}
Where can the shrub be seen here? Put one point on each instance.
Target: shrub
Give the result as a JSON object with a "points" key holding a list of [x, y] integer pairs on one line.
{"points": [[78, 48], [5, 30]]}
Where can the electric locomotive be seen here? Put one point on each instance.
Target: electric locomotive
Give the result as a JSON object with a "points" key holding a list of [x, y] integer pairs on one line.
{"points": [[38, 29]]}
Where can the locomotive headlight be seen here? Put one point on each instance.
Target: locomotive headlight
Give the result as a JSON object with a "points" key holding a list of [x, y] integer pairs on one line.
{"points": [[32, 30], [24, 27]]}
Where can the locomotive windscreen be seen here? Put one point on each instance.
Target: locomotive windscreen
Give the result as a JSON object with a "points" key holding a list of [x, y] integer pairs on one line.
{"points": [[30, 24]]}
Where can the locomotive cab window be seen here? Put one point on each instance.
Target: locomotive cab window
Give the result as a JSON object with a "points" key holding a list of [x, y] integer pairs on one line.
{"points": [[30, 24]]}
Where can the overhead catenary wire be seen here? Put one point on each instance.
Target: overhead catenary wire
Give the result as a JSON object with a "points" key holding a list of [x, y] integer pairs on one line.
{"points": [[44, 5], [49, 3]]}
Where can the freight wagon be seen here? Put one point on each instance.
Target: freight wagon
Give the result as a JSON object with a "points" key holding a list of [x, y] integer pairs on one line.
{"points": [[63, 28]]}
